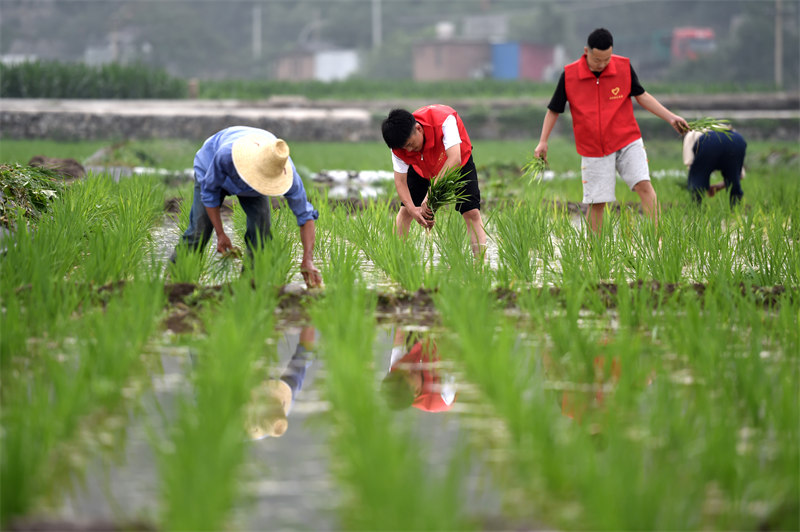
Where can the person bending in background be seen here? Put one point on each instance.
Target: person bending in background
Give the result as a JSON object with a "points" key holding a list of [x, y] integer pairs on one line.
{"points": [[251, 164], [599, 87], [425, 144], [706, 151]]}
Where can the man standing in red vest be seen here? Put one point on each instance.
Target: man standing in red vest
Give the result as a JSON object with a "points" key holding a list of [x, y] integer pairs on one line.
{"points": [[599, 87], [425, 144]]}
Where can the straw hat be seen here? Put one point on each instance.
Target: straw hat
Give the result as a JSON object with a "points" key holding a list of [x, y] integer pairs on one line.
{"points": [[268, 413], [263, 163]]}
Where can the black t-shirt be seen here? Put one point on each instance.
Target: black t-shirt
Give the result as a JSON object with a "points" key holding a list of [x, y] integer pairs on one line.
{"points": [[558, 103]]}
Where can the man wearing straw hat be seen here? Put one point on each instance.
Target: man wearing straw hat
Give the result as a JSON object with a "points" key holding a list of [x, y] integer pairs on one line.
{"points": [[251, 164]]}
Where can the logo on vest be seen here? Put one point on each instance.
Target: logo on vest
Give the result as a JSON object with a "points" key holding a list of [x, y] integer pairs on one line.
{"points": [[615, 95]]}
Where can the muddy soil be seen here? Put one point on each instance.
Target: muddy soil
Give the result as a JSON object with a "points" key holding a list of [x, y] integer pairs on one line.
{"points": [[185, 299]]}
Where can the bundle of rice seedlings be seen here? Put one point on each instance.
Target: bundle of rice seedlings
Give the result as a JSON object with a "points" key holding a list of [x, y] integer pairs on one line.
{"points": [[710, 124], [447, 189], [534, 169], [233, 253]]}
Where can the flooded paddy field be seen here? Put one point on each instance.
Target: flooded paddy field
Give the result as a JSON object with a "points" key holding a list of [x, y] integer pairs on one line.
{"points": [[645, 379]]}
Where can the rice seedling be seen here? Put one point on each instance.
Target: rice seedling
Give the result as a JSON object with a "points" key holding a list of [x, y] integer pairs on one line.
{"points": [[200, 461], [83, 373], [381, 474], [533, 170], [644, 379], [710, 124], [523, 236], [446, 189], [406, 260], [454, 255]]}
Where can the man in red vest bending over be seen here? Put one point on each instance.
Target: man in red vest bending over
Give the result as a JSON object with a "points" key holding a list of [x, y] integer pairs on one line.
{"points": [[425, 144], [599, 87]]}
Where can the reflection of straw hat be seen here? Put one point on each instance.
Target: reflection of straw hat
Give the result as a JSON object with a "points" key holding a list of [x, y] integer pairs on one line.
{"points": [[263, 164], [268, 412]]}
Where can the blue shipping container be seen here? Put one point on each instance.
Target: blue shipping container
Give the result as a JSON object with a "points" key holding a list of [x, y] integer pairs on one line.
{"points": [[505, 60]]}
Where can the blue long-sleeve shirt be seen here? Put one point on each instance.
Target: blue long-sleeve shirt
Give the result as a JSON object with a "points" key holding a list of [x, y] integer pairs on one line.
{"points": [[217, 176]]}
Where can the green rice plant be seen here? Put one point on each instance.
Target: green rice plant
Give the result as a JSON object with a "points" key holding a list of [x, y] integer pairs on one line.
{"points": [[38, 261], [511, 381], [454, 256], [662, 249], [378, 463], [75, 375], [765, 246], [190, 266], [533, 170], [710, 124], [585, 255], [130, 210], [446, 189], [523, 236], [200, 460], [406, 260]]}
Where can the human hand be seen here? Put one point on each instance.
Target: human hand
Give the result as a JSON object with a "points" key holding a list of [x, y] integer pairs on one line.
{"points": [[311, 274], [679, 124], [223, 243], [541, 151], [423, 215]]}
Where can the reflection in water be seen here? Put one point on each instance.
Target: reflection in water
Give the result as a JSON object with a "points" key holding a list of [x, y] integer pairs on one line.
{"points": [[416, 377], [575, 403], [271, 401]]}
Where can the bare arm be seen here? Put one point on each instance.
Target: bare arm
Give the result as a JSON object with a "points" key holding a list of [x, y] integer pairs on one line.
{"points": [[418, 213], [310, 273], [549, 123], [223, 242], [453, 158], [649, 102]]}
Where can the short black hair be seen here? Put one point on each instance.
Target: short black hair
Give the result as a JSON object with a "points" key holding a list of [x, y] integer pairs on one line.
{"points": [[397, 127], [600, 39]]}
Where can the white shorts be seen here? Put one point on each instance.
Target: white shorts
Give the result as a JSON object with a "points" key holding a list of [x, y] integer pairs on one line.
{"points": [[599, 173]]}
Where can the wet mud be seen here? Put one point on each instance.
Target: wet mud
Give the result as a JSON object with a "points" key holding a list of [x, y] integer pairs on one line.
{"points": [[184, 300]]}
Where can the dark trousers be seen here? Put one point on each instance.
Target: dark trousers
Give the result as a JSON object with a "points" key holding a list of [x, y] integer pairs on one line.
{"points": [[718, 151], [200, 228]]}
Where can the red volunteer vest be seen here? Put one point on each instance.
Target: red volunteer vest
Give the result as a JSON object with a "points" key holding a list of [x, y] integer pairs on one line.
{"points": [[601, 107], [430, 160]]}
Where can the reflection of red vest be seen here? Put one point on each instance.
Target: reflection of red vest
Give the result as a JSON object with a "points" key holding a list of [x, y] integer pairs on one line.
{"points": [[430, 160], [601, 107], [430, 397]]}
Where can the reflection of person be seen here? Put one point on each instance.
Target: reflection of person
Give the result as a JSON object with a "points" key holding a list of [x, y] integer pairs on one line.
{"points": [[251, 164], [425, 144], [599, 87], [574, 404], [271, 401], [415, 377], [706, 151]]}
